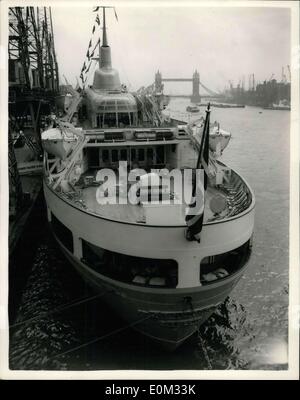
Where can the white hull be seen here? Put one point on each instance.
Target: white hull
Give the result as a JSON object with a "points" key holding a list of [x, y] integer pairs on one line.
{"points": [[166, 315], [161, 242], [163, 315]]}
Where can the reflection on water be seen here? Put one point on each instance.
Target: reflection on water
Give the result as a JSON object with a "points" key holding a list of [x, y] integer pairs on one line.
{"points": [[248, 331]]}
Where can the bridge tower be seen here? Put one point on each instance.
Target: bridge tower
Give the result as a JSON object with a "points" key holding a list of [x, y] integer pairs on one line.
{"points": [[195, 98], [158, 82]]}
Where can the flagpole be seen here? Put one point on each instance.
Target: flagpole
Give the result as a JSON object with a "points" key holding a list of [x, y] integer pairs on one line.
{"points": [[195, 222], [205, 132], [205, 129]]}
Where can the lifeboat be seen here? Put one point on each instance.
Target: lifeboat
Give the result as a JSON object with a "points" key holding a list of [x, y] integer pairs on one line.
{"points": [[218, 139], [58, 142], [192, 109]]}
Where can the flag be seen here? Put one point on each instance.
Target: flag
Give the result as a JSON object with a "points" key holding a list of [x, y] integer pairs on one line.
{"points": [[88, 68], [205, 147], [96, 9], [97, 19], [116, 14], [92, 53], [194, 217], [96, 45], [83, 67]]}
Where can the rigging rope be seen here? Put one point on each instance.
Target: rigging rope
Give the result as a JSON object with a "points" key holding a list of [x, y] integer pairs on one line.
{"points": [[97, 339], [88, 56]]}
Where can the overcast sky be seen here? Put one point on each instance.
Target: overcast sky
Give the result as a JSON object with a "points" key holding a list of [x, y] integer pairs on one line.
{"points": [[221, 43]]}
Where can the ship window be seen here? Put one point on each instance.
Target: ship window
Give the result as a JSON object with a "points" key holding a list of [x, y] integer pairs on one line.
{"points": [[150, 154], [160, 154], [141, 155], [105, 155], [99, 121], [93, 157], [147, 272], [63, 233], [123, 119], [132, 119], [222, 265], [114, 155], [110, 120], [133, 155], [123, 155]]}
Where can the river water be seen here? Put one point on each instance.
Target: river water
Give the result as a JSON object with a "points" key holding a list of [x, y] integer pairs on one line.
{"points": [[53, 328]]}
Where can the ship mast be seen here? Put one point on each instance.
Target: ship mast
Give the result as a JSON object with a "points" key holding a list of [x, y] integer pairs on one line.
{"points": [[104, 51], [104, 34]]}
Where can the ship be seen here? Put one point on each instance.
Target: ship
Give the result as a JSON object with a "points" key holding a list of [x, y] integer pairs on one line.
{"points": [[192, 109], [282, 105], [161, 267]]}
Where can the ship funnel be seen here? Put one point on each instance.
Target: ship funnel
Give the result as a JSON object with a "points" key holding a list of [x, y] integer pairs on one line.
{"points": [[106, 78]]}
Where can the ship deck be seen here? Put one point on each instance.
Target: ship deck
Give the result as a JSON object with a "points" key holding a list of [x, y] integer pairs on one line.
{"points": [[162, 213], [89, 196]]}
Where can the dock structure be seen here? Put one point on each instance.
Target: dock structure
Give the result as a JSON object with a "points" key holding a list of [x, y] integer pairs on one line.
{"points": [[261, 94], [33, 89], [33, 69], [15, 185]]}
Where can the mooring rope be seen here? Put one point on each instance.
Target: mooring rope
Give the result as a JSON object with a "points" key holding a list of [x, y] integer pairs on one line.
{"points": [[60, 308], [203, 348], [97, 339]]}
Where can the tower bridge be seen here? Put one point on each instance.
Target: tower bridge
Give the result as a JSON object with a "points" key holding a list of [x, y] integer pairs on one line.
{"points": [[196, 83]]}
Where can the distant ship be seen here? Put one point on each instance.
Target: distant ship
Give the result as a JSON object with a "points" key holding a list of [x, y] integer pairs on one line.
{"points": [[160, 267], [282, 105], [223, 105], [192, 109], [227, 105]]}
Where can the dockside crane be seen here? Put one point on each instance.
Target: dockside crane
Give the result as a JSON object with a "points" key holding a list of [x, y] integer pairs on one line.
{"points": [[33, 84], [33, 70], [253, 82], [289, 71], [283, 76]]}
